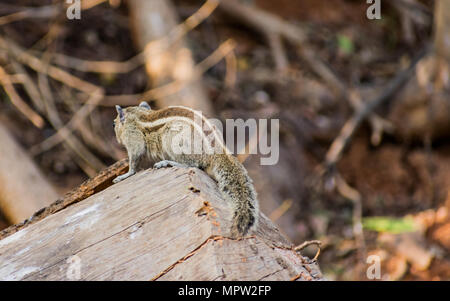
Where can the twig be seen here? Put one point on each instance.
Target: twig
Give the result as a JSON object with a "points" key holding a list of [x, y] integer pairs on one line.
{"points": [[273, 27], [335, 151], [29, 86], [305, 244], [88, 162], [355, 197], [263, 21], [18, 102], [278, 51], [16, 78], [231, 69], [296, 277], [43, 12], [91, 132], [173, 87], [222, 51], [95, 92], [36, 64], [54, 31], [94, 99], [414, 10], [280, 210], [88, 4], [152, 48], [94, 66]]}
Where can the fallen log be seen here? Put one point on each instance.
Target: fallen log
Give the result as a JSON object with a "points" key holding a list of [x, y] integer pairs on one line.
{"points": [[166, 224], [23, 187]]}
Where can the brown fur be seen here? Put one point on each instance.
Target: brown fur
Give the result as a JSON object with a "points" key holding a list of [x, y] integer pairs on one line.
{"points": [[144, 141]]}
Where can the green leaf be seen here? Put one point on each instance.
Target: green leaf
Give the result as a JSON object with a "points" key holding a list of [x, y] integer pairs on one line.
{"points": [[388, 224], [345, 44]]}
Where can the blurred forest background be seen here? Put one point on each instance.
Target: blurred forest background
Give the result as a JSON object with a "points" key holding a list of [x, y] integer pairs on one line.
{"points": [[363, 107]]}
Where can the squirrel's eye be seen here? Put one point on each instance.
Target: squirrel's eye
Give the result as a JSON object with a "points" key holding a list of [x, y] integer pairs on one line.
{"points": [[114, 124]]}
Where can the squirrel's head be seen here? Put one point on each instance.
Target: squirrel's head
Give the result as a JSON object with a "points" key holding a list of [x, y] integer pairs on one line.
{"points": [[123, 114]]}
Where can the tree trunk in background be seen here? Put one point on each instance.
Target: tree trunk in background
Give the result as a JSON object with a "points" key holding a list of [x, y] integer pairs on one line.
{"points": [[442, 28], [23, 188], [420, 111], [152, 20]]}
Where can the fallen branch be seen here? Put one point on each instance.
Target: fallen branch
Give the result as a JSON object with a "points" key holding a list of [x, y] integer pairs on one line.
{"points": [[96, 92], [156, 47], [335, 151], [120, 232], [354, 196], [65, 131], [17, 101], [175, 86], [308, 243], [86, 160], [44, 12], [38, 65], [29, 86], [274, 27]]}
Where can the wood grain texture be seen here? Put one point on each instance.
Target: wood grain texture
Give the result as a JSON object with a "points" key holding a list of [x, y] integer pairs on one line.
{"points": [[85, 190], [167, 224]]}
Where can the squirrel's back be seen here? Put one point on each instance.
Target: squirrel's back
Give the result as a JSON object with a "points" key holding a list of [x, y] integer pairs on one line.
{"points": [[146, 131]]}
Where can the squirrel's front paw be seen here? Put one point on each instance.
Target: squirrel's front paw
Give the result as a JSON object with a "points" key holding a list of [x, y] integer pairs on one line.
{"points": [[123, 177], [167, 163], [161, 164]]}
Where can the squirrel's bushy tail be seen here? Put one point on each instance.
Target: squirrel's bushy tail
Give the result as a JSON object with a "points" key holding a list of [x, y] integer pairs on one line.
{"points": [[237, 187]]}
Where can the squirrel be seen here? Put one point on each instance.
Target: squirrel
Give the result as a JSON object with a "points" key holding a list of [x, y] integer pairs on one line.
{"points": [[150, 134]]}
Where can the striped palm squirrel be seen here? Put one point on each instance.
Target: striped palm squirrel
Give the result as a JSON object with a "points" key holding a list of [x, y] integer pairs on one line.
{"points": [[156, 134]]}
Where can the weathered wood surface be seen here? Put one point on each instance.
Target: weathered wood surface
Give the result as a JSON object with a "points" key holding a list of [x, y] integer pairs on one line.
{"points": [[100, 182], [167, 224]]}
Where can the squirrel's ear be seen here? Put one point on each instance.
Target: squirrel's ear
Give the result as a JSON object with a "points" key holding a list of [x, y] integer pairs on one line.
{"points": [[145, 105], [120, 112]]}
